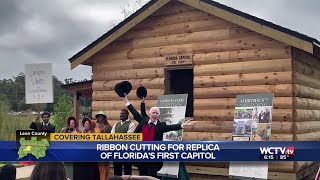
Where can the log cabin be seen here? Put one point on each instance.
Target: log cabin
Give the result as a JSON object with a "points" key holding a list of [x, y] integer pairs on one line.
{"points": [[213, 53]]}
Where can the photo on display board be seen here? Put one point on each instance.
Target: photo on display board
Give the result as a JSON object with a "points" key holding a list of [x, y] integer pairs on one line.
{"points": [[243, 113], [242, 127], [261, 132], [172, 115], [262, 114]]}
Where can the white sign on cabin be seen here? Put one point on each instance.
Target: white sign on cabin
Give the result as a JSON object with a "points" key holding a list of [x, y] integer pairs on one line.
{"points": [[179, 59], [38, 81]]}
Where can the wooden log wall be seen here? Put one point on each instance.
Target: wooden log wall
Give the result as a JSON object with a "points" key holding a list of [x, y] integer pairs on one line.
{"points": [[228, 60], [306, 100]]}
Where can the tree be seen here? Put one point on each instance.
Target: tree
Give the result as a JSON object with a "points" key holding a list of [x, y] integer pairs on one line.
{"points": [[62, 110], [130, 9], [58, 91], [6, 89], [17, 93], [4, 110], [4, 100], [4, 106]]}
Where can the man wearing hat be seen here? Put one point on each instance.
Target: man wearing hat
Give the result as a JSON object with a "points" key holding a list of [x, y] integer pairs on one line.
{"points": [[102, 121], [125, 125], [105, 127], [152, 130]]}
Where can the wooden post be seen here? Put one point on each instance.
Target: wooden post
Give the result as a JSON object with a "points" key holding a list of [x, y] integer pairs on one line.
{"points": [[76, 97]]}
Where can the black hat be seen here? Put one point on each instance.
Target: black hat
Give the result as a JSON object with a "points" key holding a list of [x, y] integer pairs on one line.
{"points": [[142, 92], [123, 88]]}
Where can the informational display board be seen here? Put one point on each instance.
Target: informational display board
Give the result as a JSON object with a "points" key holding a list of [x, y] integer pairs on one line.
{"points": [[38, 83], [252, 122], [172, 111]]}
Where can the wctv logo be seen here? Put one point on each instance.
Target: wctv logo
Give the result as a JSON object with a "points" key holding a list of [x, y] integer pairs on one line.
{"points": [[277, 150]]}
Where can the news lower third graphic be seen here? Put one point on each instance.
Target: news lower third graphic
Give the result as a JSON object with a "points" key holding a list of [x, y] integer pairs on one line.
{"points": [[42, 146], [32, 142]]}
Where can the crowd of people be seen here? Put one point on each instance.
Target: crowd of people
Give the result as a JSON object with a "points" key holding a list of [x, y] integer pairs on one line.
{"points": [[151, 128], [55, 171], [243, 114]]}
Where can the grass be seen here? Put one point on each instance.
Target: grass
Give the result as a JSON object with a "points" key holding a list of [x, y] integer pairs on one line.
{"points": [[10, 124]]}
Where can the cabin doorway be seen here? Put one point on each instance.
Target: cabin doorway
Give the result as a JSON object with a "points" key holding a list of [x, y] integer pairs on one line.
{"points": [[180, 81]]}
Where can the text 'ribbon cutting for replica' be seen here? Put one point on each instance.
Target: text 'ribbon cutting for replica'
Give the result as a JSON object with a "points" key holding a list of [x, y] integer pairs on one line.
{"points": [[37, 149]]}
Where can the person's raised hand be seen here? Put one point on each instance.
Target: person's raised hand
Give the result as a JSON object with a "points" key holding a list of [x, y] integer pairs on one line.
{"points": [[125, 98], [37, 119], [143, 100]]}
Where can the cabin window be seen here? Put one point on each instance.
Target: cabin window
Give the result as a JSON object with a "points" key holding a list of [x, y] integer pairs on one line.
{"points": [[180, 81]]}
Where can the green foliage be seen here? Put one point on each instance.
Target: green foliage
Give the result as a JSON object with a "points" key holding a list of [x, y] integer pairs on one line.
{"points": [[4, 104], [57, 92], [62, 110], [11, 123], [4, 120], [4, 110]]}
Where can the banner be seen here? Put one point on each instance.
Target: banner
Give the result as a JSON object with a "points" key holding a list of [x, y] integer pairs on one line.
{"points": [[38, 83], [252, 122], [40, 149], [172, 111]]}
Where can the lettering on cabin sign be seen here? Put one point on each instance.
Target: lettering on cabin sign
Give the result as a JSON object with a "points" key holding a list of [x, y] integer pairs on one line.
{"points": [[178, 59]]}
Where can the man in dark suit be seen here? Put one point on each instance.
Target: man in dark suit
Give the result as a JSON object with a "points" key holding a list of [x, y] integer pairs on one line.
{"points": [[260, 117], [152, 130], [45, 125], [267, 116]]}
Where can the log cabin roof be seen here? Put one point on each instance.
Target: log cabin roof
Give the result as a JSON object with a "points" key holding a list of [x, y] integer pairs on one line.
{"points": [[282, 34], [83, 87], [85, 82]]}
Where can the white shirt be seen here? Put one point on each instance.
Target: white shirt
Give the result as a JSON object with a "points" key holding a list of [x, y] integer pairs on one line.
{"points": [[131, 128], [45, 124], [155, 123]]}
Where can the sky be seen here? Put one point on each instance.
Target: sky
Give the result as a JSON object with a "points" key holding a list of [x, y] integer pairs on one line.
{"points": [[47, 31]]}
